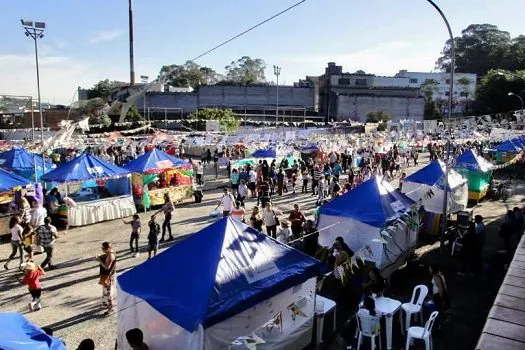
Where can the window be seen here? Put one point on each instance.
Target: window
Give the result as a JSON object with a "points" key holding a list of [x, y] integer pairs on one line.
{"points": [[344, 81], [413, 81], [464, 93], [360, 82], [447, 81], [447, 93]]}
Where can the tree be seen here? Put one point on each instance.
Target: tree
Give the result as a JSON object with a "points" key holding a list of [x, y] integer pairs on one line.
{"points": [[464, 84], [226, 118], [493, 90], [379, 116], [94, 109], [246, 71], [431, 109], [104, 88], [480, 47], [133, 115], [359, 72], [190, 74]]}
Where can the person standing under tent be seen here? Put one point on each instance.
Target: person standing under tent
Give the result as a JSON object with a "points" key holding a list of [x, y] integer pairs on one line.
{"points": [[108, 263], [167, 209]]}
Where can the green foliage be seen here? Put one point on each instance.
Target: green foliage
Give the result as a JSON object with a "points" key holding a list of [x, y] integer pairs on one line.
{"points": [[482, 47], [429, 88], [379, 116], [226, 118], [133, 115], [246, 71], [431, 109], [189, 74], [464, 84], [103, 89], [494, 87], [94, 109]]}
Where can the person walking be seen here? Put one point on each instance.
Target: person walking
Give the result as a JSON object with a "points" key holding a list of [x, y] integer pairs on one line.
{"points": [[16, 241], [227, 202], [167, 209], [32, 279], [270, 220], [47, 234], [135, 234], [108, 263], [297, 220], [153, 237]]}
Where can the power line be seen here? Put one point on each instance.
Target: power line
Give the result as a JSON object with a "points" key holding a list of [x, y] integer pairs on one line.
{"points": [[249, 30]]}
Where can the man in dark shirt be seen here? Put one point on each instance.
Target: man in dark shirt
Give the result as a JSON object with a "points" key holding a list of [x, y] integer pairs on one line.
{"points": [[297, 219]]}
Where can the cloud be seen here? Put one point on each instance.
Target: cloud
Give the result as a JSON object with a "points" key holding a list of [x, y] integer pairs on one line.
{"points": [[104, 36]]}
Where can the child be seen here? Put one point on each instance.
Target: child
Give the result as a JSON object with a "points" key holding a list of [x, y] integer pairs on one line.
{"points": [[135, 234], [153, 237], [135, 339], [32, 279]]}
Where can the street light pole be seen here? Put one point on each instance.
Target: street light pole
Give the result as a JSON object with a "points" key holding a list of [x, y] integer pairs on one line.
{"points": [[131, 53], [450, 97], [277, 72], [521, 100], [144, 80]]}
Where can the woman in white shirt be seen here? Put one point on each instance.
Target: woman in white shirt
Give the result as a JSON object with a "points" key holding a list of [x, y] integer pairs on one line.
{"points": [[270, 220], [238, 212], [242, 192], [16, 241], [283, 232]]}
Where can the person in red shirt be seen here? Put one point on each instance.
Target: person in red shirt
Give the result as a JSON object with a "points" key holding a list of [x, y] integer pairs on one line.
{"points": [[32, 279], [297, 219]]}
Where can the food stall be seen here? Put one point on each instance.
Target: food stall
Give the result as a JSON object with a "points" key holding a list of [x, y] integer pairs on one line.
{"points": [[96, 190], [156, 173], [9, 184], [477, 171], [21, 162]]}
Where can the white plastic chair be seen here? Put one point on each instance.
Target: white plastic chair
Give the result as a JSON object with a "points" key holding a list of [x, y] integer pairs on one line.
{"points": [[415, 306], [422, 333], [368, 326]]}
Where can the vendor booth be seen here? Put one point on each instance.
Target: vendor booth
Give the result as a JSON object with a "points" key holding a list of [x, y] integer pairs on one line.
{"points": [[9, 184], [18, 333], [98, 191], [156, 173], [246, 289], [428, 186], [370, 215], [507, 150], [23, 163], [477, 171]]}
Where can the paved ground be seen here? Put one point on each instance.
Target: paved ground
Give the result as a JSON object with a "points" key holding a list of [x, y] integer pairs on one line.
{"points": [[71, 297]]}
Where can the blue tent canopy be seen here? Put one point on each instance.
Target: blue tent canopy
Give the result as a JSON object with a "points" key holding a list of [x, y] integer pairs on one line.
{"points": [[18, 159], [374, 202], [239, 268], [153, 161], [471, 161], [509, 146], [84, 167], [309, 148], [264, 153], [433, 174], [8, 181], [17, 333]]}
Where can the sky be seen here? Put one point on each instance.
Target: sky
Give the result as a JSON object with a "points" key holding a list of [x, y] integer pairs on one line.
{"points": [[87, 41]]}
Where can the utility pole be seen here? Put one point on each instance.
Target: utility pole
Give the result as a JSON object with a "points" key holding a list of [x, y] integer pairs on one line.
{"points": [[131, 54]]}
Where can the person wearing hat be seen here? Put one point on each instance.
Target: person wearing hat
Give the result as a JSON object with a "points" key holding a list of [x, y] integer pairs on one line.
{"points": [[32, 279], [283, 232]]}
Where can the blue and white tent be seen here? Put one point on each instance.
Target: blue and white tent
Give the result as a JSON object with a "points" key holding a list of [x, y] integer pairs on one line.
{"points": [[9, 181], [509, 146], [265, 153], [428, 186], [23, 163], [223, 282], [18, 333], [154, 161], [361, 215], [471, 161]]}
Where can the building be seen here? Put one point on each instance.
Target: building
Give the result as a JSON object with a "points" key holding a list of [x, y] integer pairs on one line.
{"points": [[351, 96]]}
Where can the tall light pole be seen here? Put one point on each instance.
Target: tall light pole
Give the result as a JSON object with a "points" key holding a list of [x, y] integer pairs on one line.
{"points": [[35, 31], [144, 80], [518, 96], [450, 97], [277, 72], [131, 54]]}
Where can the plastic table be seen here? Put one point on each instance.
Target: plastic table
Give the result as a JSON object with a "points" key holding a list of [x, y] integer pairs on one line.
{"points": [[328, 305], [388, 307]]}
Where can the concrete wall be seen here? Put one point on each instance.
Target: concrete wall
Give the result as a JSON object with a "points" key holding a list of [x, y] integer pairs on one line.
{"points": [[357, 107], [233, 97]]}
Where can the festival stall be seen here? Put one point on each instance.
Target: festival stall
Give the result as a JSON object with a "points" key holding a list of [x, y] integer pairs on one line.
{"points": [[248, 288], [9, 184], [23, 163], [373, 216], [477, 171], [156, 173], [507, 150], [18, 333], [428, 186], [99, 190]]}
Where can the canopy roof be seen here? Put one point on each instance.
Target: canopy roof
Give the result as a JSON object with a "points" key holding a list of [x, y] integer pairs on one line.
{"points": [[265, 153], [433, 174], [471, 161], [154, 161], [511, 146], [20, 159], [374, 202], [17, 333], [8, 181], [237, 268], [84, 167]]}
